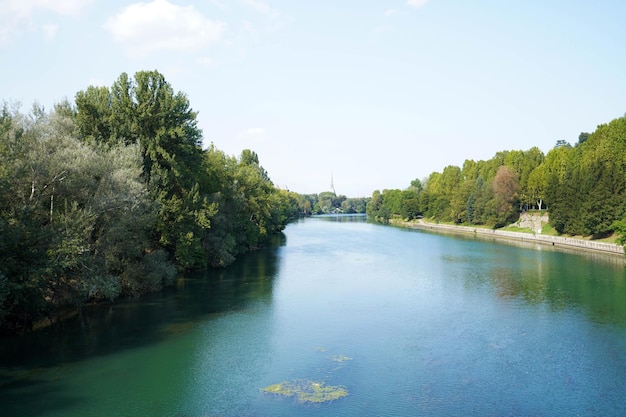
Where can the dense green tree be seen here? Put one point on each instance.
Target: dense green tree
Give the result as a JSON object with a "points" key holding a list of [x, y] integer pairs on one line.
{"points": [[328, 202], [75, 221], [434, 203], [416, 186], [603, 165], [603, 203], [585, 184], [94, 113], [411, 207], [354, 205], [583, 187], [108, 196], [306, 203], [523, 164], [403, 204], [376, 209], [441, 188], [535, 188], [392, 201]]}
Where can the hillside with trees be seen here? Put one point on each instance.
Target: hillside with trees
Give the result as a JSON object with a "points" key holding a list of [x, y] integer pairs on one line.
{"points": [[583, 187], [113, 195]]}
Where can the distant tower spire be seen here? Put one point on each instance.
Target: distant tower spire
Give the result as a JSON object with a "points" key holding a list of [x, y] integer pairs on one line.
{"points": [[332, 184]]}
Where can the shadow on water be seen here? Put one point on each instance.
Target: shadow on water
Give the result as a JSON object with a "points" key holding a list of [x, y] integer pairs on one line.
{"points": [[16, 395], [133, 323]]}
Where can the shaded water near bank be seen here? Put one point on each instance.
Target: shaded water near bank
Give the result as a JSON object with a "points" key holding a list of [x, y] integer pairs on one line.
{"points": [[406, 322]]}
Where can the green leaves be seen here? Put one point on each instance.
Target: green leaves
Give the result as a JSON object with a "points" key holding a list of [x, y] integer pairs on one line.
{"points": [[586, 185], [619, 227], [111, 196], [583, 187]]}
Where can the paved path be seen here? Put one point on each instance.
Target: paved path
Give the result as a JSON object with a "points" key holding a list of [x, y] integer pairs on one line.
{"points": [[569, 242]]}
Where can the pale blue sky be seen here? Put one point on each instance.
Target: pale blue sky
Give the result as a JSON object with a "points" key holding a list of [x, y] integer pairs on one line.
{"points": [[375, 92]]}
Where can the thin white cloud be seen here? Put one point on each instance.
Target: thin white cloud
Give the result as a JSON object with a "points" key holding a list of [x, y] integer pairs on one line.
{"points": [[254, 133], [416, 3], [27, 7], [18, 16], [142, 28]]}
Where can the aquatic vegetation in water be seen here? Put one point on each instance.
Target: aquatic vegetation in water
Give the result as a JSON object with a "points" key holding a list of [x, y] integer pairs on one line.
{"points": [[307, 391]]}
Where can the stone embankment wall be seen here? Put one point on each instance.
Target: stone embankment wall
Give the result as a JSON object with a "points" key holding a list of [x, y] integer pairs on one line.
{"points": [[530, 237], [533, 221]]}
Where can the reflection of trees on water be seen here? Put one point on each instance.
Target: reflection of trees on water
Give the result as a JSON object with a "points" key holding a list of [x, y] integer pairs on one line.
{"points": [[166, 337], [564, 281], [513, 284], [343, 218], [107, 328]]}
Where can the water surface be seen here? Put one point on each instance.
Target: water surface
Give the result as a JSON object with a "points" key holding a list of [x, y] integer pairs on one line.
{"points": [[408, 322]]}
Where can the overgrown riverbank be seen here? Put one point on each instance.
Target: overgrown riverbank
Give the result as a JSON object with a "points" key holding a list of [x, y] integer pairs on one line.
{"points": [[113, 196]]}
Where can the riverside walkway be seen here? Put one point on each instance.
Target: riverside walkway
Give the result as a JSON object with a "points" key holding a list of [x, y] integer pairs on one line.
{"points": [[568, 242]]}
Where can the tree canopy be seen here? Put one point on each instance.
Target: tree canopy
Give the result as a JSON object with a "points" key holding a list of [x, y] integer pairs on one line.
{"points": [[113, 194], [583, 187]]}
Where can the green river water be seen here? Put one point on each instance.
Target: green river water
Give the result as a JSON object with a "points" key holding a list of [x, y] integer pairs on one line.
{"points": [[406, 323]]}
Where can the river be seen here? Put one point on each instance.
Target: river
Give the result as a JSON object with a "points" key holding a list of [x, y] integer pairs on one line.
{"points": [[401, 322]]}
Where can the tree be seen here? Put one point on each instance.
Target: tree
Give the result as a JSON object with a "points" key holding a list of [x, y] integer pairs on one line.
{"points": [[558, 189], [392, 201], [506, 192], [98, 199], [535, 187], [94, 114], [603, 166], [161, 121], [77, 221], [376, 209], [411, 207], [326, 202], [354, 205], [524, 163], [585, 185], [416, 186], [603, 203]]}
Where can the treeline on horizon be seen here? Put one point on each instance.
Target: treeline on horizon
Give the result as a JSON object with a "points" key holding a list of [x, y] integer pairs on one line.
{"points": [[113, 195], [582, 186], [328, 202]]}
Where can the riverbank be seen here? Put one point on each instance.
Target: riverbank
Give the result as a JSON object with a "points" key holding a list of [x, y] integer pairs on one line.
{"points": [[565, 242]]}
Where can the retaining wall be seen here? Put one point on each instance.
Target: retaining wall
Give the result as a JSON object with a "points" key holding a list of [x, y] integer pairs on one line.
{"points": [[531, 237]]}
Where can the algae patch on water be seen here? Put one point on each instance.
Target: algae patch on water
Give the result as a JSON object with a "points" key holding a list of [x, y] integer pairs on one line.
{"points": [[307, 391]]}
